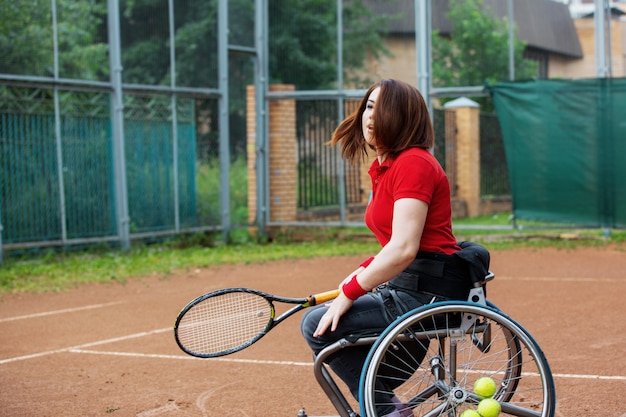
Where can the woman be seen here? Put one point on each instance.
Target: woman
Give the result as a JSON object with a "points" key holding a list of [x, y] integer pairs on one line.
{"points": [[410, 214]]}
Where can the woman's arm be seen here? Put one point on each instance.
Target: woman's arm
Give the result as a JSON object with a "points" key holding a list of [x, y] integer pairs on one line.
{"points": [[409, 217]]}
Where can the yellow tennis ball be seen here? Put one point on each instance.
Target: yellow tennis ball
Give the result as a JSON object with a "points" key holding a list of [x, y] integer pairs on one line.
{"points": [[484, 387], [489, 408], [470, 413]]}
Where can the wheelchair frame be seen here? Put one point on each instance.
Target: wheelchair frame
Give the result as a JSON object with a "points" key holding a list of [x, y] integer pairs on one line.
{"points": [[484, 342]]}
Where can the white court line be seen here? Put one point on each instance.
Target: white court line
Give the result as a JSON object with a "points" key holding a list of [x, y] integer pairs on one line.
{"points": [[53, 312], [80, 349], [160, 356], [101, 342], [159, 410], [291, 363], [601, 377]]}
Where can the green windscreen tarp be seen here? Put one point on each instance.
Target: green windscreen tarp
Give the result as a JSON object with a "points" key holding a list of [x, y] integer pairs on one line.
{"points": [[565, 144]]}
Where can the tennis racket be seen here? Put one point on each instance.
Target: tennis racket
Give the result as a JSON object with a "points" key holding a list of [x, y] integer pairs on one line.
{"points": [[226, 321]]}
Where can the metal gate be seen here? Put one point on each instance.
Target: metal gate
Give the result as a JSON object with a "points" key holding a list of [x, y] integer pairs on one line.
{"points": [[135, 127]]}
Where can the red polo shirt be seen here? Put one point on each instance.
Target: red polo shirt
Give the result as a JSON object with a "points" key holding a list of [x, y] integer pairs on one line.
{"points": [[414, 173]]}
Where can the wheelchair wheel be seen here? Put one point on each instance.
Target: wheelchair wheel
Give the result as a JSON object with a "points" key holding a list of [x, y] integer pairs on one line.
{"points": [[426, 363]]}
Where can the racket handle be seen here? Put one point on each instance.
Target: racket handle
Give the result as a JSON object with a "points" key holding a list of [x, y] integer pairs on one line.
{"points": [[323, 297]]}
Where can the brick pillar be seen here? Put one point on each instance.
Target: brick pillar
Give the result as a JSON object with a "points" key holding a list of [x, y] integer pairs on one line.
{"points": [[282, 148], [467, 169]]}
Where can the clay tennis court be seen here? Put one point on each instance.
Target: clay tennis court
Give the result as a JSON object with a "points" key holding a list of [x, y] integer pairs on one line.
{"points": [[108, 350]]}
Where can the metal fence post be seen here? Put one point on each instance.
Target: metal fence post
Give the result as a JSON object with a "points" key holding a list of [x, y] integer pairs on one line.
{"points": [[423, 43], [599, 19], [57, 126], [224, 125], [117, 119], [260, 88], [174, 113], [340, 112]]}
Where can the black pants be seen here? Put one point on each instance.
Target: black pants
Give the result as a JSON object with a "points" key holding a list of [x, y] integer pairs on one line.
{"points": [[369, 314]]}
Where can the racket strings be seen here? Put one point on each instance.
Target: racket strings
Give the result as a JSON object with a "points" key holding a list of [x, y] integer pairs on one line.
{"points": [[225, 322]]}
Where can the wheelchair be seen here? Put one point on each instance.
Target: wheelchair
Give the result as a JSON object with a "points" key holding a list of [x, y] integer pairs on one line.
{"points": [[430, 357]]}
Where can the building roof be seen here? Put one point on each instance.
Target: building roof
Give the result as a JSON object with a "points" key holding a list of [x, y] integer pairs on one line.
{"points": [[587, 8], [616, 11], [543, 24]]}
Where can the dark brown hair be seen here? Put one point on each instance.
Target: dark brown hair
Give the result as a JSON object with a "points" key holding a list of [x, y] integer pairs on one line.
{"points": [[401, 121]]}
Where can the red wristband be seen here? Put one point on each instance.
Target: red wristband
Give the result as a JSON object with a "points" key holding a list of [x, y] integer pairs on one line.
{"points": [[352, 289], [366, 262]]}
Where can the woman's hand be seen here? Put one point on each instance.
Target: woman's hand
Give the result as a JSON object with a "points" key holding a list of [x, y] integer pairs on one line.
{"points": [[334, 311]]}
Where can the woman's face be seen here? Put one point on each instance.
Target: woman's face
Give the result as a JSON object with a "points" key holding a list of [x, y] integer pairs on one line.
{"points": [[367, 119]]}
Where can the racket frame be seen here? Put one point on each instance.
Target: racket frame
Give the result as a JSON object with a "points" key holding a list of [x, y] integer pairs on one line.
{"points": [[301, 303]]}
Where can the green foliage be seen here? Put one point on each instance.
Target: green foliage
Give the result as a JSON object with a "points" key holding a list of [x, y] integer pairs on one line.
{"points": [[478, 49], [208, 178], [502, 231], [82, 48], [59, 271], [26, 39], [239, 192], [208, 185], [146, 41], [302, 43], [303, 39], [364, 38]]}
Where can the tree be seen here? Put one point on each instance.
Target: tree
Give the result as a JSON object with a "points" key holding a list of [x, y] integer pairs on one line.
{"points": [[303, 41], [26, 39], [302, 44], [477, 49]]}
